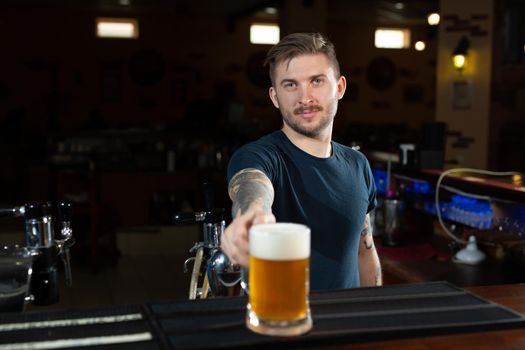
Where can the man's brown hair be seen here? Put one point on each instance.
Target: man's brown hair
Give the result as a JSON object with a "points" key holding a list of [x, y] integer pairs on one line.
{"points": [[297, 44]]}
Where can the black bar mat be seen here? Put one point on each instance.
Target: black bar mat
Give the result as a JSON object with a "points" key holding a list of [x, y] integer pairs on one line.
{"points": [[124, 327], [52, 333], [352, 315], [216, 320], [235, 304], [36, 316]]}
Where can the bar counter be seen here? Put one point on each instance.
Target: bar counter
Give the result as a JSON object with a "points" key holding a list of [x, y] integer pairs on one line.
{"points": [[434, 315]]}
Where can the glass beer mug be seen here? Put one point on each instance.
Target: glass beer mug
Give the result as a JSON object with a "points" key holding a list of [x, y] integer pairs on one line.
{"points": [[279, 279]]}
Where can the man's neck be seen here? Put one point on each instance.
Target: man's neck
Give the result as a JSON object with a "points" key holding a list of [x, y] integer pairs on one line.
{"points": [[320, 146]]}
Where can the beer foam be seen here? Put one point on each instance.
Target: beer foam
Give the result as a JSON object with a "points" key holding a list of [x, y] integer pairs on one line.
{"points": [[280, 241]]}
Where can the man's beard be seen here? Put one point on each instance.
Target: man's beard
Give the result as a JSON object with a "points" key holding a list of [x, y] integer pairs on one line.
{"points": [[293, 120]]}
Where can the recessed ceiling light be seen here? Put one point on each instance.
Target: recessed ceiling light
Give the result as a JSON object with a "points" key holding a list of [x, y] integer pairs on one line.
{"points": [[121, 28], [392, 38], [399, 6], [264, 34], [433, 19]]}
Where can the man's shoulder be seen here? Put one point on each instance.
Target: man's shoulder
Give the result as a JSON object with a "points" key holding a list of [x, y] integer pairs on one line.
{"points": [[262, 154], [266, 143], [349, 152]]}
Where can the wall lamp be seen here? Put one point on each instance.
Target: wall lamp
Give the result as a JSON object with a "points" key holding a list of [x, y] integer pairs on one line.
{"points": [[459, 56]]}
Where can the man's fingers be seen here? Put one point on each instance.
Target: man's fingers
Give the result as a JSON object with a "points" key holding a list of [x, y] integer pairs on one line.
{"points": [[263, 218], [234, 241], [247, 218], [240, 241]]}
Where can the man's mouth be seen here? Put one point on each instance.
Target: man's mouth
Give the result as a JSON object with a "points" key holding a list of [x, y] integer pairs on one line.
{"points": [[307, 110]]}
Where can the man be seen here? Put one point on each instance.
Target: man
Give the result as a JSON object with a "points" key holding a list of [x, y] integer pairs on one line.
{"points": [[298, 174]]}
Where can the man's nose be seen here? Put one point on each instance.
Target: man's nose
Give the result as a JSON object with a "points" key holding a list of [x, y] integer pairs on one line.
{"points": [[306, 94]]}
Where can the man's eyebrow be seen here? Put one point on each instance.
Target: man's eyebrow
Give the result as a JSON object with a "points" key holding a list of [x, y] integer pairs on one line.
{"points": [[317, 76], [313, 77], [288, 81]]}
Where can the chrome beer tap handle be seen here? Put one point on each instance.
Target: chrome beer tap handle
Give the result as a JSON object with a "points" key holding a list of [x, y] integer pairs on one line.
{"points": [[66, 239], [12, 212]]}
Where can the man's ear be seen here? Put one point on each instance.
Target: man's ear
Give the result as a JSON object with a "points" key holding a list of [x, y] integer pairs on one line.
{"points": [[273, 96], [341, 87]]}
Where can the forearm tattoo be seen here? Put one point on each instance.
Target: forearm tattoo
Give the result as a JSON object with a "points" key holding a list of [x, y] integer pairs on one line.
{"points": [[250, 186], [379, 276], [366, 233]]}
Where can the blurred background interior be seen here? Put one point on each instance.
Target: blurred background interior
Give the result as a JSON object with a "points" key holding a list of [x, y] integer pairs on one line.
{"points": [[128, 125]]}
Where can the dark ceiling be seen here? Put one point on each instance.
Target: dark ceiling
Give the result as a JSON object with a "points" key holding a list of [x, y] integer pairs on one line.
{"points": [[406, 11]]}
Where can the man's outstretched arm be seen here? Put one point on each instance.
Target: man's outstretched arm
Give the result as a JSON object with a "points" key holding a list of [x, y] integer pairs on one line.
{"points": [[252, 194]]}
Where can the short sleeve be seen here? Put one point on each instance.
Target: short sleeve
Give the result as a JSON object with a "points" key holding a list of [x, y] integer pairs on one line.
{"points": [[252, 156]]}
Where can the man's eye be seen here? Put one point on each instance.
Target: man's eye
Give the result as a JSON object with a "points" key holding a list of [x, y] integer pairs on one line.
{"points": [[317, 81], [289, 85]]}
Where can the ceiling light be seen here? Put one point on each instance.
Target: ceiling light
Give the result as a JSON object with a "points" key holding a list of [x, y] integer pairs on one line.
{"points": [[420, 45], [264, 34], [390, 38], [433, 19], [122, 28]]}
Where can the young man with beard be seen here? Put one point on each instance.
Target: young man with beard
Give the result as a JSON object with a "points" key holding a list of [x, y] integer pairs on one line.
{"points": [[298, 174]]}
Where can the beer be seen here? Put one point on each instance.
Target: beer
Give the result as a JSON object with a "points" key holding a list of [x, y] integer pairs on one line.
{"points": [[279, 279], [279, 296]]}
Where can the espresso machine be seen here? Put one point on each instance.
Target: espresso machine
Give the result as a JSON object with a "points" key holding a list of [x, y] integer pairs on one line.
{"points": [[29, 273], [212, 269]]}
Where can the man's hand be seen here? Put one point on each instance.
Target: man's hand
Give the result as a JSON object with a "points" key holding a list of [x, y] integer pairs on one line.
{"points": [[235, 238]]}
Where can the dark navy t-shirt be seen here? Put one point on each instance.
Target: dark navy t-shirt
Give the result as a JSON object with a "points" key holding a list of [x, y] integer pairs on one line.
{"points": [[331, 195]]}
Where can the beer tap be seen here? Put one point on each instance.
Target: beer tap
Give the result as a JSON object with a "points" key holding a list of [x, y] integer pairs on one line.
{"points": [[222, 275], [66, 239], [39, 236], [219, 275], [44, 249]]}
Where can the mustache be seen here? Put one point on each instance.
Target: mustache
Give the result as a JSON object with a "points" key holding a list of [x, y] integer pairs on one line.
{"points": [[301, 110]]}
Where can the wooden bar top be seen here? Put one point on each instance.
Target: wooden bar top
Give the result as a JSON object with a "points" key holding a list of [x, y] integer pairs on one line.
{"points": [[511, 296], [489, 272]]}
